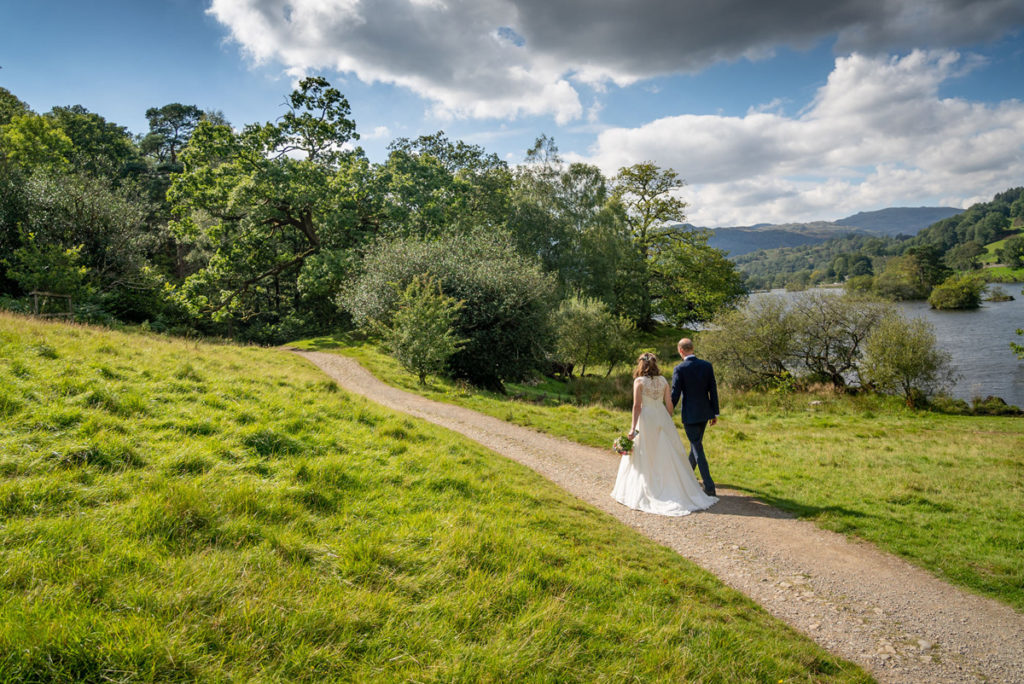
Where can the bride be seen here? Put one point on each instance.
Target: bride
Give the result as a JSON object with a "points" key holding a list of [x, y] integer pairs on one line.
{"points": [[656, 477]]}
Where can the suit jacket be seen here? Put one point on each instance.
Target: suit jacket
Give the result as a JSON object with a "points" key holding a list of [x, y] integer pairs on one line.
{"points": [[694, 381]]}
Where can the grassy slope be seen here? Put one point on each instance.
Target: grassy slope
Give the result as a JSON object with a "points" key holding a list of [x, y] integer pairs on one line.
{"points": [[180, 511], [945, 492]]}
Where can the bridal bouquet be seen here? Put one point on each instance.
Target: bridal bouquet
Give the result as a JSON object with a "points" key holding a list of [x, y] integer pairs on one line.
{"points": [[622, 445]]}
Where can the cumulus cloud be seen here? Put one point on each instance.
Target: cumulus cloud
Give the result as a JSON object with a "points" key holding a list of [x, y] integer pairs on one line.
{"points": [[504, 58], [876, 134]]}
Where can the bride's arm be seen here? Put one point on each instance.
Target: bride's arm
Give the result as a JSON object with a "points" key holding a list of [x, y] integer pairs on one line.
{"points": [[668, 399], [637, 403]]}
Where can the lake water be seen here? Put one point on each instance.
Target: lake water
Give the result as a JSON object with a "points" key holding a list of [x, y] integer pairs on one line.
{"points": [[979, 341]]}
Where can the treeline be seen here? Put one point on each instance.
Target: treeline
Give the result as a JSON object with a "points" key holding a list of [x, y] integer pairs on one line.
{"points": [[283, 229], [913, 263]]}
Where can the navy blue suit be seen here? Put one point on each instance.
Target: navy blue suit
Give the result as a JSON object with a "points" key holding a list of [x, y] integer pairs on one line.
{"points": [[694, 381]]}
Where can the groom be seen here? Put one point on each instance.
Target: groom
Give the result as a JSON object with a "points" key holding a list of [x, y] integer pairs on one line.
{"points": [[694, 380]]}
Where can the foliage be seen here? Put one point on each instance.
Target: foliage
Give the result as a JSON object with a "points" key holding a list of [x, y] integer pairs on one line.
{"points": [[33, 141], [693, 282], [1012, 252], [831, 331], [647, 195], [958, 292], [964, 257], [47, 267], [507, 299], [265, 200], [98, 147], [10, 105], [432, 186], [819, 338], [170, 128], [565, 214], [1018, 349], [754, 345], [902, 356], [938, 245], [904, 278], [421, 335], [587, 333]]}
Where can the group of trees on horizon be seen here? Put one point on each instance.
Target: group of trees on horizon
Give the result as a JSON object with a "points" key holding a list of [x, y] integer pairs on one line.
{"points": [[282, 229]]}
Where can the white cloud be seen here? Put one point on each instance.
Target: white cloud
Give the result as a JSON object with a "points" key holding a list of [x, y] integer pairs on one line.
{"points": [[507, 58], [378, 133], [876, 134]]}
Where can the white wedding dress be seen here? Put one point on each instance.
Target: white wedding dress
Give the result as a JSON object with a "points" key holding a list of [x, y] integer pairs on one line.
{"points": [[656, 477]]}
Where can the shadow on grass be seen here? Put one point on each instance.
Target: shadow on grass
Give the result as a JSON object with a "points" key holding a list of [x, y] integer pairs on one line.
{"points": [[766, 505]]}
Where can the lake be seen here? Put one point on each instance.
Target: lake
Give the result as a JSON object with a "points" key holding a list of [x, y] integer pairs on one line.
{"points": [[979, 341]]}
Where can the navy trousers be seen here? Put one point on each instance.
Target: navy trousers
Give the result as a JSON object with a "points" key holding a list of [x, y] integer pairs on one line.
{"points": [[695, 434]]}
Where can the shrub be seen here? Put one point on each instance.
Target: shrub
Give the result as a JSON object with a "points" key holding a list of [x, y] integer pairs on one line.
{"points": [[421, 335], [751, 346], [957, 292], [830, 333], [587, 333], [902, 356], [507, 299]]}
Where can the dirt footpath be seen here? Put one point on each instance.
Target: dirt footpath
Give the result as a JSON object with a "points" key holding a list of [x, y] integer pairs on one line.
{"points": [[896, 620]]}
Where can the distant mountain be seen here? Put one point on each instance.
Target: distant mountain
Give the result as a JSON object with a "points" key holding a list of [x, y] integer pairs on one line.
{"points": [[741, 240], [898, 220]]}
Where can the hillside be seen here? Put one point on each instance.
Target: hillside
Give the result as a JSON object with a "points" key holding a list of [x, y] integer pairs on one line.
{"points": [[180, 511], [741, 240], [898, 220]]}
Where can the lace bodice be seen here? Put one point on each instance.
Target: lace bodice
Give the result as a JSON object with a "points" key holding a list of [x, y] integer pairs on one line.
{"points": [[652, 389]]}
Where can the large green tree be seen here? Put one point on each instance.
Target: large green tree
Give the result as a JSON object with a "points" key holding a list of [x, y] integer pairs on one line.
{"points": [[266, 203], [647, 193]]}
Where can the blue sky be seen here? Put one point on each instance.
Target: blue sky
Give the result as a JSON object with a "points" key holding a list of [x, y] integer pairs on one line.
{"points": [[772, 112]]}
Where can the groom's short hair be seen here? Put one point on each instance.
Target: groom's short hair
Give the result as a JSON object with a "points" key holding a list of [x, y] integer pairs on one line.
{"points": [[685, 344]]}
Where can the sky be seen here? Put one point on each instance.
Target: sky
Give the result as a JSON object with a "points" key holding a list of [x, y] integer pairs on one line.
{"points": [[772, 112]]}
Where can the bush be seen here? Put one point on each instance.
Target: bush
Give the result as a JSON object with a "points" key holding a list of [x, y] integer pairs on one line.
{"points": [[507, 299], [831, 331], [957, 292], [753, 345], [421, 335], [901, 356], [587, 333]]}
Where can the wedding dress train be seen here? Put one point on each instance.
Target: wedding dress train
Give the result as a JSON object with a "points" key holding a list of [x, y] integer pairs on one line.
{"points": [[656, 477]]}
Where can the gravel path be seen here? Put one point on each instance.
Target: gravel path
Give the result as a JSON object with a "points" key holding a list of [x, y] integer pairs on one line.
{"points": [[896, 620]]}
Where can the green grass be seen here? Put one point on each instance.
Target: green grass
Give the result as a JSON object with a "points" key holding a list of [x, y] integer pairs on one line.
{"points": [[176, 511], [945, 492]]}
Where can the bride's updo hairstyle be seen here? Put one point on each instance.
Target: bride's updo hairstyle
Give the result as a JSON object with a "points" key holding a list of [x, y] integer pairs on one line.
{"points": [[646, 365]]}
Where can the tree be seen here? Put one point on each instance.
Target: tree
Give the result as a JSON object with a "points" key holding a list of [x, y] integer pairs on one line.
{"points": [[263, 202], [752, 346], [99, 146], [565, 215], [964, 257], [831, 331], [587, 333], [432, 185], [958, 292], [693, 281], [901, 356], [10, 105], [170, 128], [646, 193], [35, 142], [508, 299], [421, 334], [1012, 252]]}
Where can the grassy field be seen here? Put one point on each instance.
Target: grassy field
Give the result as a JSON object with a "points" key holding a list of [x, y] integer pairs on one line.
{"points": [[946, 492], [176, 511]]}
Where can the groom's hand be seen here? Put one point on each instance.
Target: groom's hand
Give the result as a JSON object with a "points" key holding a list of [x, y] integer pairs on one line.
{"points": [[714, 420]]}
